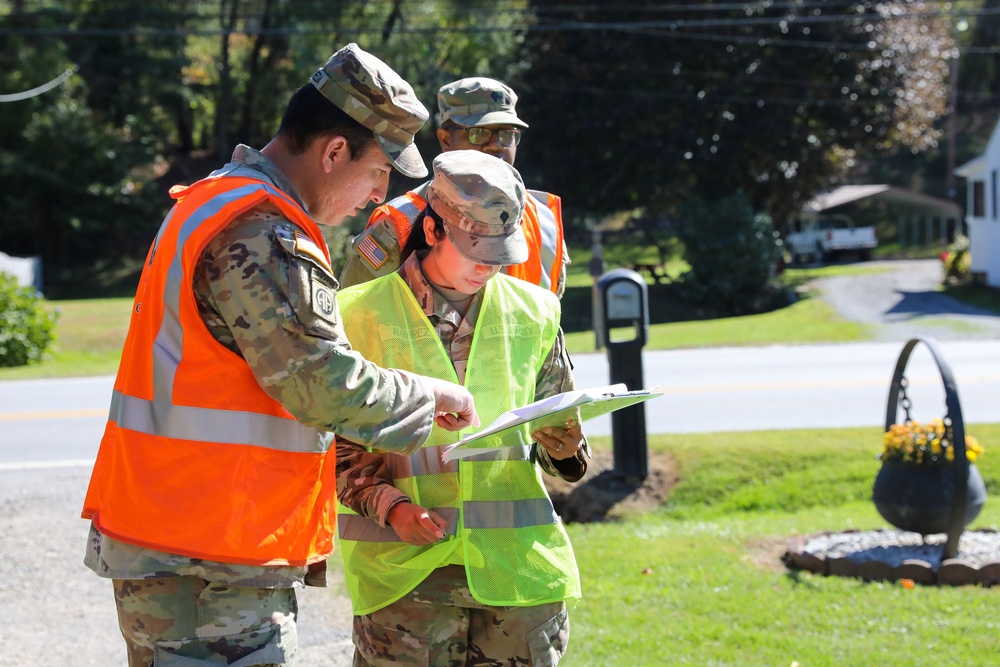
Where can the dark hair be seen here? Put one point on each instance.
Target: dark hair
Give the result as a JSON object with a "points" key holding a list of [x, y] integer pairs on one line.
{"points": [[417, 240], [310, 116], [451, 125]]}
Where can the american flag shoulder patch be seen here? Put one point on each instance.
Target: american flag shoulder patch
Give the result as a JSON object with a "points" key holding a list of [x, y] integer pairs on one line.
{"points": [[373, 253]]}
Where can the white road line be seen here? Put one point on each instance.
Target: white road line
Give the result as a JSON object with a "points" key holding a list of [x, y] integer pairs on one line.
{"points": [[44, 465]]}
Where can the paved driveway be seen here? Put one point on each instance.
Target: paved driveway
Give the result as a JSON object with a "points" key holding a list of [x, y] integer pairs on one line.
{"points": [[901, 301]]}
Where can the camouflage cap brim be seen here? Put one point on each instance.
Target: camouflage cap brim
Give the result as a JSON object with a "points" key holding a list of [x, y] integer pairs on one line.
{"points": [[486, 117], [490, 250], [406, 159]]}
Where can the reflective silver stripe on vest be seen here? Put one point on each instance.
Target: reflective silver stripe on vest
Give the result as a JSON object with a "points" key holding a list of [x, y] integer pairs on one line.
{"points": [[182, 422], [159, 416], [547, 226], [427, 460], [170, 338], [509, 514], [406, 207], [361, 529]]}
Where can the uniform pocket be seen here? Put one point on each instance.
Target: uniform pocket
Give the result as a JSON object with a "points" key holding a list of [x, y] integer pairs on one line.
{"points": [[270, 647], [547, 643], [382, 645]]}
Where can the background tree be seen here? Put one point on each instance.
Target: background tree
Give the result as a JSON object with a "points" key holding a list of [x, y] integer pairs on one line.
{"points": [[772, 100], [74, 192], [632, 107]]}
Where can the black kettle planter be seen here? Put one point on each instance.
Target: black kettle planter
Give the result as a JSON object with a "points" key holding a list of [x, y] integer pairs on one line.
{"points": [[929, 499]]}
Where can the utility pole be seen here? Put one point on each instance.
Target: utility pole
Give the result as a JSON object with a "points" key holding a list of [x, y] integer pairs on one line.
{"points": [[952, 125]]}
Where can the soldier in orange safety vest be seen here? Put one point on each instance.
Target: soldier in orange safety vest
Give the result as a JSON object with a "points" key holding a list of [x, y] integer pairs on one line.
{"points": [[479, 114], [214, 489]]}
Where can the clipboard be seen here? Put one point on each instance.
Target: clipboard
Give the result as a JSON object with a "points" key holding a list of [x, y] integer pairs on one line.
{"points": [[578, 405]]}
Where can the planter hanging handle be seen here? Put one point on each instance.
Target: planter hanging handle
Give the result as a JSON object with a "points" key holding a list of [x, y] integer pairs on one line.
{"points": [[955, 429]]}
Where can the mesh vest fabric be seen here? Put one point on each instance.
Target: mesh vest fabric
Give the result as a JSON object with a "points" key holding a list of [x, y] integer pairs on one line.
{"points": [[196, 458], [514, 547]]}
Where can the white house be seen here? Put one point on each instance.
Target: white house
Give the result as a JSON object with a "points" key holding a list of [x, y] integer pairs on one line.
{"points": [[982, 178], [26, 270]]}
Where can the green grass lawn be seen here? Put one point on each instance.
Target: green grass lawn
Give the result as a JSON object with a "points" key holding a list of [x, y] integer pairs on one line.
{"points": [[699, 581], [807, 321], [90, 334]]}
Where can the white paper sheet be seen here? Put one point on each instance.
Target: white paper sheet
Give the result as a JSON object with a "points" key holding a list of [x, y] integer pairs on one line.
{"points": [[578, 405]]}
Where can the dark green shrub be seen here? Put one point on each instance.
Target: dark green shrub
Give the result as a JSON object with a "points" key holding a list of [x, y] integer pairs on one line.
{"points": [[733, 255], [26, 328]]}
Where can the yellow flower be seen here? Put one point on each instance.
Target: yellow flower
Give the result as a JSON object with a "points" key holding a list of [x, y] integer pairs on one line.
{"points": [[924, 444]]}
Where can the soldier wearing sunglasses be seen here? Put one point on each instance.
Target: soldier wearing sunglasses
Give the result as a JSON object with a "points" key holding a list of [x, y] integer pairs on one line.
{"points": [[478, 114]]}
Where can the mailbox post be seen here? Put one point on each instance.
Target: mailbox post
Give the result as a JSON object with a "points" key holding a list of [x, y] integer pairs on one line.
{"points": [[624, 306]]}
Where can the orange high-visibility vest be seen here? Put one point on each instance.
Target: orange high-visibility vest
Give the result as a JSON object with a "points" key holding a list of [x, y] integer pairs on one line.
{"points": [[542, 224], [197, 459]]}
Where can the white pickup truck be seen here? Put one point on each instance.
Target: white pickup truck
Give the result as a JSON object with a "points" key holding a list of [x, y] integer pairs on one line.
{"points": [[825, 237]]}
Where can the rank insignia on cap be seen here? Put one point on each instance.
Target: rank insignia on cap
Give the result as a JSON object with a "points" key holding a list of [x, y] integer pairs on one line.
{"points": [[306, 246], [372, 251]]}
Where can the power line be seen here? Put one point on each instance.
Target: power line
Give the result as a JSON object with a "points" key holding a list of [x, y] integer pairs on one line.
{"points": [[38, 90], [674, 25]]}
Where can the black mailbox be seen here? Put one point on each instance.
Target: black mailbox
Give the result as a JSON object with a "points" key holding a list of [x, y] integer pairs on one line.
{"points": [[624, 308]]}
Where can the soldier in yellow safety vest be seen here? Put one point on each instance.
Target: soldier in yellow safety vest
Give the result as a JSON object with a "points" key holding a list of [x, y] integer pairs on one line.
{"points": [[449, 562], [476, 113]]}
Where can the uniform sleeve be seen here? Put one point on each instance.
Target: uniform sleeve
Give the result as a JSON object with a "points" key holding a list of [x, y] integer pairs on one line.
{"points": [[561, 279], [276, 307], [364, 484], [556, 376], [374, 252]]}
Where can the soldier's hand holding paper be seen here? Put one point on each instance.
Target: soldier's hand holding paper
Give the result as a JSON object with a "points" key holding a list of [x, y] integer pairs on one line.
{"points": [[560, 443]]}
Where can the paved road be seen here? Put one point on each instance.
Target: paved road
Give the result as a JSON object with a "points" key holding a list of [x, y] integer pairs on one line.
{"points": [[47, 423]]}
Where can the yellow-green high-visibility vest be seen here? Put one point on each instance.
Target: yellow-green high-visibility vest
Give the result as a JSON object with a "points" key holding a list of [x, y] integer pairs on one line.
{"points": [[501, 522]]}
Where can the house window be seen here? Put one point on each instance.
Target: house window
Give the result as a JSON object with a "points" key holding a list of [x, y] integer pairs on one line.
{"points": [[978, 199]]}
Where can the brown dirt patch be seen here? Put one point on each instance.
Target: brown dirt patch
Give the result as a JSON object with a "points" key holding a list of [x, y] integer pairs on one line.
{"points": [[604, 495], [768, 553]]}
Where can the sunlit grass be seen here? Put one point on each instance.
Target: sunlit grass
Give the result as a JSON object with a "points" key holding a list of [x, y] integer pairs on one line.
{"points": [[90, 334], [700, 581], [807, 321]]}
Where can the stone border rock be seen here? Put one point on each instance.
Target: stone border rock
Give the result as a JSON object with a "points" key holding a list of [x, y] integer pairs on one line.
{"points": [[892, 555]]}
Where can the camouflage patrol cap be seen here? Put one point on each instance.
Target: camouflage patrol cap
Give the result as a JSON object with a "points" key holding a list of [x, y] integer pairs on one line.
{"points": [[370, 92], [481, 200], [478, 101]]}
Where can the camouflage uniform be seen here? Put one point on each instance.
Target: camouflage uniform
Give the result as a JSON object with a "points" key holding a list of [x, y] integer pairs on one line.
{"points": [[441, 614], [247, 287]]}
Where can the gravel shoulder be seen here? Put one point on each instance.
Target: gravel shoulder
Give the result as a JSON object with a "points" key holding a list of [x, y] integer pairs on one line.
{"points": [[899, 301], [57, 612]]}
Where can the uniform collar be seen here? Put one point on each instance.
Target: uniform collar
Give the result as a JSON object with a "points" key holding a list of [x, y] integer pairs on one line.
{"points": [[251, 158]]}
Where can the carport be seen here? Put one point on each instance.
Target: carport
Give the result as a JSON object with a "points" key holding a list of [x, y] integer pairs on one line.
{"points": [[920, 219]]}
